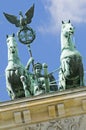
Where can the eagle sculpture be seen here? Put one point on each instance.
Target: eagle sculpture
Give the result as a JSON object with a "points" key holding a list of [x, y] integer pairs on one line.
{"points": [[23, 21]]}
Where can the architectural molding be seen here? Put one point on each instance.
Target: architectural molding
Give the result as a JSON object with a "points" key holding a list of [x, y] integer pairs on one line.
{"points": [[60, 110]]}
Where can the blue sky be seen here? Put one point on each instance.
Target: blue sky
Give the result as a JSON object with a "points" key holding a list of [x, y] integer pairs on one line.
{"points": [[46, 22]]}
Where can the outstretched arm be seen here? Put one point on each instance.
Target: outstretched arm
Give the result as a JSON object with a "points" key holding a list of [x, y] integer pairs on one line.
{"points": [[29, 63]]}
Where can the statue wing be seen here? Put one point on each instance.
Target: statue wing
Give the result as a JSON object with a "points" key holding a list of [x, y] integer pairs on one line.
{"points": [[29, 14], [12, 19]]}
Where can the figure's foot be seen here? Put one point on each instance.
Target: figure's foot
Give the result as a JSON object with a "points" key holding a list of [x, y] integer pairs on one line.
{"points": [[39, 92], [61, 88], [27, 93]]}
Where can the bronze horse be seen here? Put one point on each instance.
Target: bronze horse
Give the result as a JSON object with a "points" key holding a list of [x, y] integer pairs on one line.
{"points": [[71, 71], [14, 71]]}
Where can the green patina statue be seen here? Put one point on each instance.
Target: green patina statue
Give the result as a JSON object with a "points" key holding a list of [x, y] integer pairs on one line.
{"points": [[41, 83], [26, 35], [22, 22], [15, 70], [22, 83], [71, 72], [39, 79]]}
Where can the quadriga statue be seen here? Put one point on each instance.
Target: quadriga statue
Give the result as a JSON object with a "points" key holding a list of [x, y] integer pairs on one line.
{"points": [[71, 71], [15, 71]]}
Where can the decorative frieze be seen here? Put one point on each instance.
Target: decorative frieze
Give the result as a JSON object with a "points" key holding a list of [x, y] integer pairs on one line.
{"points": [[70, 123]]}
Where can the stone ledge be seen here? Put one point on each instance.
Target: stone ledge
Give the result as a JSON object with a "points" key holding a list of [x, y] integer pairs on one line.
{"points": [[68, 92], [42, 108]]}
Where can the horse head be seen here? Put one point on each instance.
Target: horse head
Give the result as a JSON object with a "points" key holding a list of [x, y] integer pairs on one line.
{"points": [[67, 32], [67, 29], [12, 47]]}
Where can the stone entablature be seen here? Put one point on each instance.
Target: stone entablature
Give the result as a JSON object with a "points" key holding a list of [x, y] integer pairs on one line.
{"points": [[61, 110]]}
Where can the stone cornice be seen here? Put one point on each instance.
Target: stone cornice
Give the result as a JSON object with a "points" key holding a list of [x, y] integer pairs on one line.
{"points": [[42, 108]]}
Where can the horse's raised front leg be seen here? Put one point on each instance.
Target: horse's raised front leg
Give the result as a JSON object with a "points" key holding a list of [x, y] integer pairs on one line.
{"points": [[25, 86]]}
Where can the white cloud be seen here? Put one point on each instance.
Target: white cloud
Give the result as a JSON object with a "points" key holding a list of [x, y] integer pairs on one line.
{"points": [[75, 10]]}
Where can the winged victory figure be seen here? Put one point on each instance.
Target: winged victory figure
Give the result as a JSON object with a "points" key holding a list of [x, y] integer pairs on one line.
{"points": [[23, 21]]}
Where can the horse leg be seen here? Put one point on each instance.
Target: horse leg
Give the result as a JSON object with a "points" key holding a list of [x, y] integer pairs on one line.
{"points": [[10, 92], [81, 73], [65, 71], [25, 86], [9, 87], [62, 81]]}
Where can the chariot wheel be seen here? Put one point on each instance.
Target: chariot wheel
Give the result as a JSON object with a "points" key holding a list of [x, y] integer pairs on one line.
{"points": [[26, 35]]}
